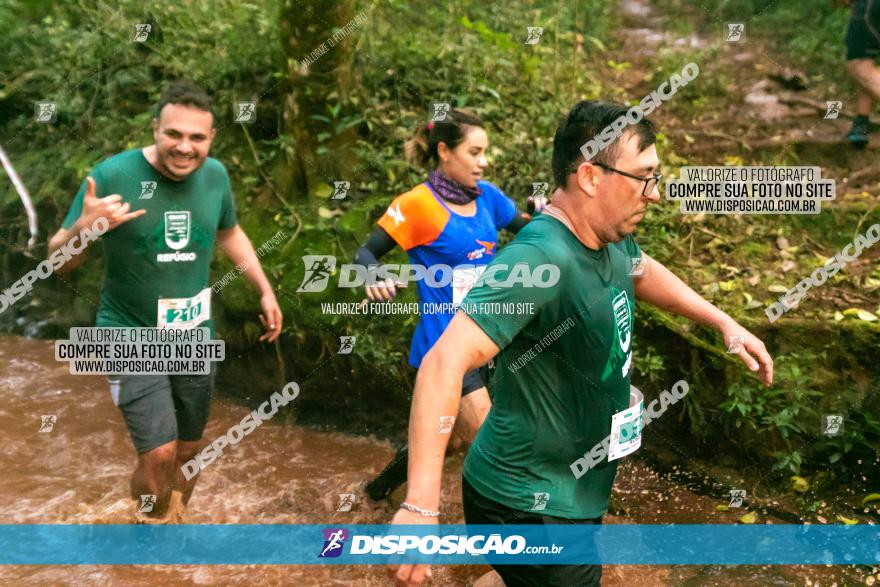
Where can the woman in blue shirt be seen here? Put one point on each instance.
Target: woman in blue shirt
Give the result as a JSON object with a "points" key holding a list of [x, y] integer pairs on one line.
{"points": [[448, 224]]}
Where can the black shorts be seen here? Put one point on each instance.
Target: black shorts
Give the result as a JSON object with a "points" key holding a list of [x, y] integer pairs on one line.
{"points": [[160, 408], [863, 32], [473, 380], [482, 510]]}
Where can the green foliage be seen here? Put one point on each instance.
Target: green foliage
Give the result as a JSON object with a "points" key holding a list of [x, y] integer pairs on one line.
{"points": [[405, 57], [648, 363], [813, 29]]}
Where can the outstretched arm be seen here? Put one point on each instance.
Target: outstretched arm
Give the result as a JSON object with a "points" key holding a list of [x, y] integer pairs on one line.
{"points": [[461, 347], [240, 251], [661, 288]]}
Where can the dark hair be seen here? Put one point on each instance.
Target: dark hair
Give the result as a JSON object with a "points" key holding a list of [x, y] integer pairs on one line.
{"points": [[421, 149], [586, 120], [186, 93]]}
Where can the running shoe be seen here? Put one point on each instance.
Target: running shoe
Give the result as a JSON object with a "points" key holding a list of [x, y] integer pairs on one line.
{"points": [[859, 134]]}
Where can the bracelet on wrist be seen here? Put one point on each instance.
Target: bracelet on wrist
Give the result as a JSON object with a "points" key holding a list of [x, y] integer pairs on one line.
{"points": [[411, 508]]}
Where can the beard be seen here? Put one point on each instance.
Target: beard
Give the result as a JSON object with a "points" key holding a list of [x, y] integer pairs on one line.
{"points": [[178, 167]]}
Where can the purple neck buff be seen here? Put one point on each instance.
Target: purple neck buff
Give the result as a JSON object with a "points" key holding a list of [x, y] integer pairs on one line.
{"points": [[450, 190]]}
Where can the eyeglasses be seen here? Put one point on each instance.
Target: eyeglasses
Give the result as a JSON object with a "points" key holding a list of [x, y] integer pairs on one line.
{"points": [[650, 182]]}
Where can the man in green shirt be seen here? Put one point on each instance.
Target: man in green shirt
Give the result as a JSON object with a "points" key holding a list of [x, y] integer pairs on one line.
{"points": [[562, 370], [165, 204]]}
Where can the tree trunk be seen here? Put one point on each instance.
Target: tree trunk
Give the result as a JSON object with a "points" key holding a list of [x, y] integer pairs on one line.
{"points": [[319, 74]]}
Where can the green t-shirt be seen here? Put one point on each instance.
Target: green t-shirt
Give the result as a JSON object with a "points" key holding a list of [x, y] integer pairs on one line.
{"points": [[552, 401], [157, 266]]}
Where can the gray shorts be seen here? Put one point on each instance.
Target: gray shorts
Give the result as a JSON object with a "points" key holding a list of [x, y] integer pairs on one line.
{"points": [[161, 408]]}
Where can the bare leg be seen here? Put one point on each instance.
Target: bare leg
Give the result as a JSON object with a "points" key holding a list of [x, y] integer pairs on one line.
{"points": [[471, 413], [186, 449], [864, 103], [867, 75], [154, 475]]}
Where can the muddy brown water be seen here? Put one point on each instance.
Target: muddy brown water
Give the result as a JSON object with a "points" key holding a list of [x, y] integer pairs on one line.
{"points": [[78, 474]]}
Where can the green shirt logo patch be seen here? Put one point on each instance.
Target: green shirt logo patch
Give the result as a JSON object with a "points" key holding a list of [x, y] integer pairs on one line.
{"points": [[177, 229], [620, 355]]}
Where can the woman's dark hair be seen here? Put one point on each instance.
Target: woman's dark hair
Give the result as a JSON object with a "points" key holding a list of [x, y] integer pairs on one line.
{"points": [[421, 149], [584, 122], [185, 93]]}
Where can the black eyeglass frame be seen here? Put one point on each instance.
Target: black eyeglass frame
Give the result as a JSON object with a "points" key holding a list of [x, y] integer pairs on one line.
{"points": [[645, 190]]}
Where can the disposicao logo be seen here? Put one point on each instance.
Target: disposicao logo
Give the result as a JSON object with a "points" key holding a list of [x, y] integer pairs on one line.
{"points": [[334, 539]]}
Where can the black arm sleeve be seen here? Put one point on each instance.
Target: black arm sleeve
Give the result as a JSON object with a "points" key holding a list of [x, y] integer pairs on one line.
{"points": [[518, 222], [379, 243]]}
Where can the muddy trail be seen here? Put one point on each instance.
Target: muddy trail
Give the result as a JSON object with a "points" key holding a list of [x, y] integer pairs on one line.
{"points": [[295, 474], [753, 101], [77, 473], [752, 105]]}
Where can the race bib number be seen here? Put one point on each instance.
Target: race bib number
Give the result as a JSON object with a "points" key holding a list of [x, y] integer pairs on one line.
{"points": [[626, 427], [184, 313], [463, 279]]}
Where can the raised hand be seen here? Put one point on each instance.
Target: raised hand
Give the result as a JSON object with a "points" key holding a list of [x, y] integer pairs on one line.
{"points": [[109, 207]]}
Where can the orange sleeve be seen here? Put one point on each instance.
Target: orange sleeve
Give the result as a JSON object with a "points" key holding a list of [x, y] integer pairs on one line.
{"points": [[414, 218]]}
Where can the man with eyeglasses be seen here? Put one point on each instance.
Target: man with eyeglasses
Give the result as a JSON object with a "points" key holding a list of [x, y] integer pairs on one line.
{"points": [[551, 409]]}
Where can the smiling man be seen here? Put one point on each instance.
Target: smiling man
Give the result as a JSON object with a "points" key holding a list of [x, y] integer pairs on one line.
{"points": [[166, 204], [550, 410]]}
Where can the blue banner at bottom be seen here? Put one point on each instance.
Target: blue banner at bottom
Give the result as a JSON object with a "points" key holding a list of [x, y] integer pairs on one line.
{"points": [[64, 544]]}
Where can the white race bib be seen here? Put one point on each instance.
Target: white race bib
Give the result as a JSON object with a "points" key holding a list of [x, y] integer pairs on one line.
{"points": [[463, 279], [184, 313], [626, 427]]}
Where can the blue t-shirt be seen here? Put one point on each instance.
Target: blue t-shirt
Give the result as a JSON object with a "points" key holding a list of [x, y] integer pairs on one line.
{"points": [[433, 235]]}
